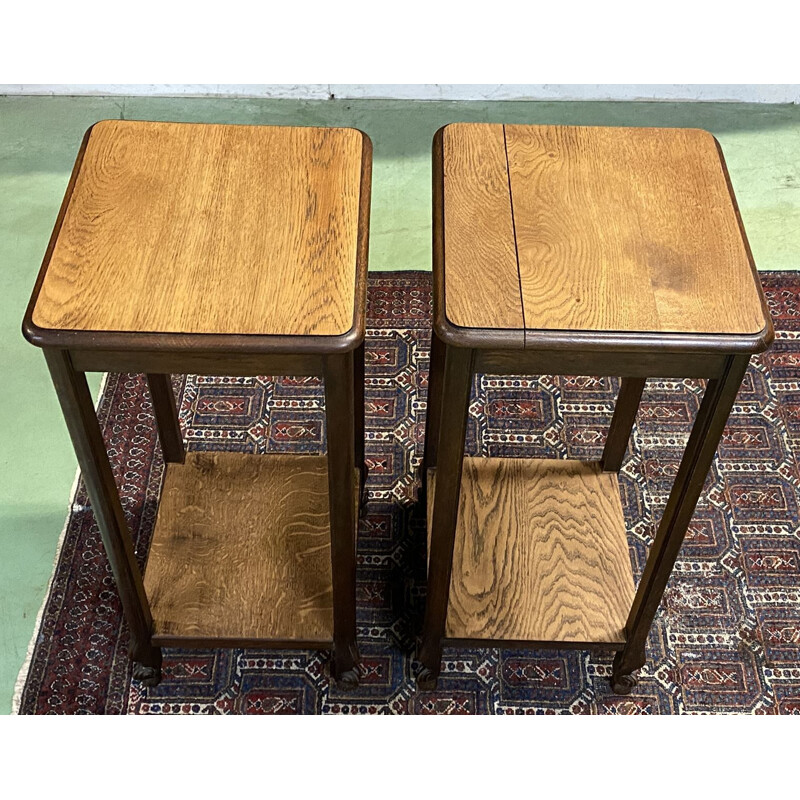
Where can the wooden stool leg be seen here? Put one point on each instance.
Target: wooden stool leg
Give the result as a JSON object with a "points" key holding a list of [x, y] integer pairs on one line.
{"points": [[706, 432], [358, 391], [166, 414], [340, 423], [455, 394], [619, 434], [87, 439], [433, 415]]}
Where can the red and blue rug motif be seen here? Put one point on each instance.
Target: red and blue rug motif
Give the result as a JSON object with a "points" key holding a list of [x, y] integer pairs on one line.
{"points": [[727, 638]]}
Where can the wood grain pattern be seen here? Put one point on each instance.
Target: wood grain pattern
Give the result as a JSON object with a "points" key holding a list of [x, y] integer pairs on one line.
{"points": [[541, 553], [619, 230], [480, 263], [241, 549], [628, 229], [211, 229]]}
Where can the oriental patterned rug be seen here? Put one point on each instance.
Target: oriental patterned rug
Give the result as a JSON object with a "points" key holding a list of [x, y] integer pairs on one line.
{"points": [[727, 638]]}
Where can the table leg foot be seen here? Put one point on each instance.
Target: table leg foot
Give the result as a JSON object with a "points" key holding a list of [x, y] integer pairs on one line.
{"points": [[346, 675], [344, 666], [148, 675], [623, 679], [427, 679], [146, 663], [348, 679], [623, 684]]}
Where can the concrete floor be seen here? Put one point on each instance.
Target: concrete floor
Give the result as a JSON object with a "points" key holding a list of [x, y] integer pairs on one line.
{"points": [[38, 141]]}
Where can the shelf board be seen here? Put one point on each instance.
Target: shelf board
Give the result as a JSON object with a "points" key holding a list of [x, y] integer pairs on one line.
{"points": [[541, 553], [241, 550]]}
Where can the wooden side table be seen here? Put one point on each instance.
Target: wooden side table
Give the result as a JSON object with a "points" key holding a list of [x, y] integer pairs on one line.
{"points": [[573, 251], [234, 250]]}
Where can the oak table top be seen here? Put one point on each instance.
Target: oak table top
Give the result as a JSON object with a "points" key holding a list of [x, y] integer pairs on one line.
{"points": [[187, 229], [590, 229]]}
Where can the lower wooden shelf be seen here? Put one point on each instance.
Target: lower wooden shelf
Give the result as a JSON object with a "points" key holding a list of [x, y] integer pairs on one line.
{"points": [[241, 551], [541, 554]]}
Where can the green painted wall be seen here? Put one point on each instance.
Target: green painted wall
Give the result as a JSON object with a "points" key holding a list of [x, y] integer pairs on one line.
{"points": [[38, 141]]}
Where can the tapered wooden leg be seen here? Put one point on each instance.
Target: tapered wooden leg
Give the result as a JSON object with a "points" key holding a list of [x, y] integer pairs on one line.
{"points": [[166, 414], [358, 430], [433, 415], [707, 430], [87, 439], [619, 434], [340, 424], [455, 393]]}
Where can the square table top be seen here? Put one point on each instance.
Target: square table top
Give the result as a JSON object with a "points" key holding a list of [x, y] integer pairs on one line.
{"points": [[591, 229], [175, 228]]}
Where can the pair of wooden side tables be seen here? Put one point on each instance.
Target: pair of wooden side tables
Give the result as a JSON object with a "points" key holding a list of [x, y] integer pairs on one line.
{"points": [[242, 250]]}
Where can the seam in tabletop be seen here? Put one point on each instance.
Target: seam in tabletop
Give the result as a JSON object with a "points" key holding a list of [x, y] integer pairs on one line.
{"points": [[514, 232]]}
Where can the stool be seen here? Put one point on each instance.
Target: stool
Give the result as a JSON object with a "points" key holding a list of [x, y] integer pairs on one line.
{"points": [[573, 251], [219, 250]]}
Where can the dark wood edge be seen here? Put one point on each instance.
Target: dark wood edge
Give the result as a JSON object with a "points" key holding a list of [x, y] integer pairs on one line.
{"points": [[581, 341], [358, 331], [686, 343], [526, 644], [210, 342], [198, 362], [191, 642], [622, 364]]}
